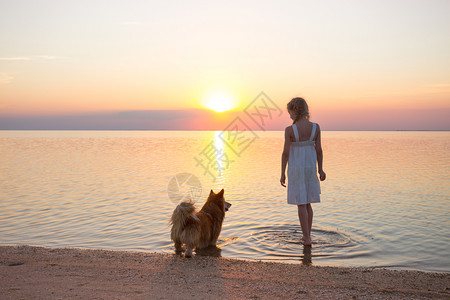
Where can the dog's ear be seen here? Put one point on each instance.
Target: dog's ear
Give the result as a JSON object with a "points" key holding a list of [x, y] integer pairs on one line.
{"points": [[221, 193], [211, 193]]}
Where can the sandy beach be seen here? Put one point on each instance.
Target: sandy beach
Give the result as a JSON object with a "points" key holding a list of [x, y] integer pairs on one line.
{"points": [[43, 273]]}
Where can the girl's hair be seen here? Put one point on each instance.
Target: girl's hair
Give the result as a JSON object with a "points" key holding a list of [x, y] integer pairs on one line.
{"points": [[299, 108]]}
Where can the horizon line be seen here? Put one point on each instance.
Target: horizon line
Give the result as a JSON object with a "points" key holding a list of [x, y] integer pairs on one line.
{"points": [[281, 130]]}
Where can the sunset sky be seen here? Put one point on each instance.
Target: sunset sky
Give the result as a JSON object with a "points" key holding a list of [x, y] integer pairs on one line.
{"points": [[361, 65]]}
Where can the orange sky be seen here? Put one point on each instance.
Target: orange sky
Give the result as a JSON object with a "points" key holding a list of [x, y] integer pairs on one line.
{"points": [[360, 64]]}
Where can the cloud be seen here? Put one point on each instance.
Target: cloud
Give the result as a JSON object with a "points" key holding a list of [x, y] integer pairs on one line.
{"points": [[383, 119], [49, 57], [132, 23], [197, 119], [5, 78], [15, 58], [116, 120], [437, 87], [157, 114], [23, 58]]}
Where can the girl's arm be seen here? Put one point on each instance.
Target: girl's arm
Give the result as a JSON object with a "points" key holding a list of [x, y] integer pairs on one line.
{"points": [[319, 153], [285, 155]]}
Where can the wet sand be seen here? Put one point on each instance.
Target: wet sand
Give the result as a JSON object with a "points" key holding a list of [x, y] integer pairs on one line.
{"points": [[42, 273]]}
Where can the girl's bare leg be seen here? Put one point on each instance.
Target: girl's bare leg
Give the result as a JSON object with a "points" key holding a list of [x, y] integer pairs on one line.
{"points": [[310, 217], [303, 216]]}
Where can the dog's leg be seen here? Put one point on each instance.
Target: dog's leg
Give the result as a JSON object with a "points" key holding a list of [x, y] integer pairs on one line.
{"points": [[189, 249], [178, 246]]}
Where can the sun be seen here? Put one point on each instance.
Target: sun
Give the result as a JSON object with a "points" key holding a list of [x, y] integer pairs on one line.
{"points": [[219, 102]]}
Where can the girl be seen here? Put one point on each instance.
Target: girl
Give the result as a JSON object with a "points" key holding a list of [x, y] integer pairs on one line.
{"points": [[303, 151]]}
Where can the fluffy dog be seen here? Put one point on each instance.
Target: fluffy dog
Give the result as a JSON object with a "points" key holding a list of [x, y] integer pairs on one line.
{"points": [[198, 229]]}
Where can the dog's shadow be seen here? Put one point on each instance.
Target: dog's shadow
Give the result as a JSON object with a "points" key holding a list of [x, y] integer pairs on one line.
{"points": [[212, 251]]}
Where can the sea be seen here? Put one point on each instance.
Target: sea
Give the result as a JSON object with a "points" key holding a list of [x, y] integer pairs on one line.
{"points": [[385, 202]]}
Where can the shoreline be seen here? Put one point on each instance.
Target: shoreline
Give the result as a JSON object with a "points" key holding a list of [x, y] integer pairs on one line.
{"points": [[38, 272]]}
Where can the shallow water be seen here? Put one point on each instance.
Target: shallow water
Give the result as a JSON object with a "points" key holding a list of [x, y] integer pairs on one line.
{"points": [[385, 202]]}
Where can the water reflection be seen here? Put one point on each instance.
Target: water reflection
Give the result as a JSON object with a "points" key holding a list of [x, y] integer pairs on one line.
{"points": [[218, 159], [221, 158], [213, 251], [307, 257]]}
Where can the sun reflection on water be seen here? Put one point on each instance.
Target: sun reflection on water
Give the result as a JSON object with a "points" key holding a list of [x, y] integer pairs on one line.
{"points": [[220, 152]]}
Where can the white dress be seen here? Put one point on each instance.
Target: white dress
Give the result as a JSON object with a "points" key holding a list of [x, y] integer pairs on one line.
{"points": [[303, 184]]}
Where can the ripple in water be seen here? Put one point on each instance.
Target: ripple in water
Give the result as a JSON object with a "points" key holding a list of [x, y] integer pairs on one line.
{"points": [[282, 242]]}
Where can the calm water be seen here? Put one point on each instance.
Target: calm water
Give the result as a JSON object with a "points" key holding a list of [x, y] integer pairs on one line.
{"points": [[385, 202]]}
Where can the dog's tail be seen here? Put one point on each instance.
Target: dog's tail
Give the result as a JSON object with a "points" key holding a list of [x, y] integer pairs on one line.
{"points": [[183, 214]]}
